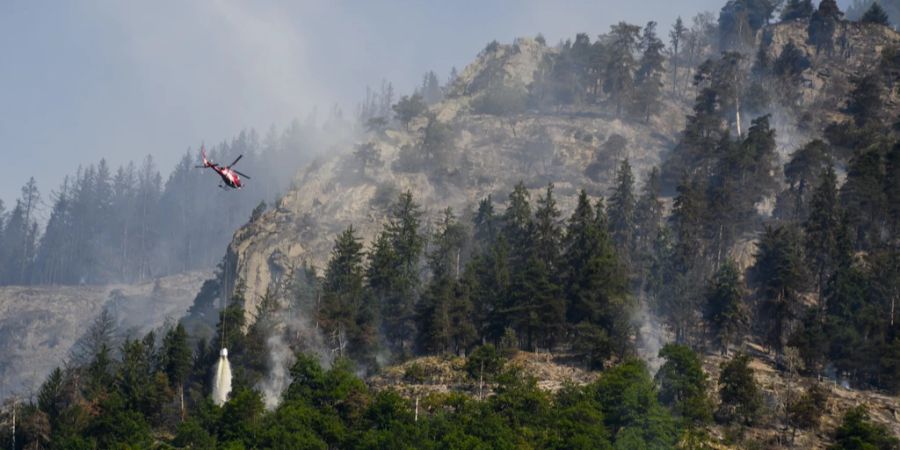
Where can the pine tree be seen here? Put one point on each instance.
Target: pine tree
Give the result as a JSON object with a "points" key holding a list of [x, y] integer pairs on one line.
{"points": [[621, 65], [434, 309], [648, 78], [408, 108], [858, 431], [725, 314], [622, 224], [683, 384], [821, 228], [866, 100], [862, 197], [676, 37], [595, 283], [342, 294], [797, 10], [781, 277], [547, 231], [485, 223], [739, 393], [177, 360], [648, 222], [518, 226], [490, 289], [536, 308], [802, 173], [876, 15], [407, 244], [822, 25]]}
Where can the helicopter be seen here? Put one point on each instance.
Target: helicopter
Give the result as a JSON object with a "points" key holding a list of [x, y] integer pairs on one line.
{"points": [[230, 177]]}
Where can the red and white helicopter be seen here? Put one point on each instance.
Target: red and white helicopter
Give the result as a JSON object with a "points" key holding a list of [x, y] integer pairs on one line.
{"points": [[230, 177]]}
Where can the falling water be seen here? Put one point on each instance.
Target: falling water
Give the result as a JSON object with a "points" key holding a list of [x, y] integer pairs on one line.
{"points": [[222, 379]]}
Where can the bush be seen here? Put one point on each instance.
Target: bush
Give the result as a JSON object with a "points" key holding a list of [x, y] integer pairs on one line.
{"points": [[486, 361]]}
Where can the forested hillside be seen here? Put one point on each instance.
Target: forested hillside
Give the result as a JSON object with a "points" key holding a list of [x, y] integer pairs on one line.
{"points": [[129, 224], [703, 230]]}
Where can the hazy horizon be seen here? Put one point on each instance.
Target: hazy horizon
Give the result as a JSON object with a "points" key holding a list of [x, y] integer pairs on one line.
{"points": [[105, 79]]}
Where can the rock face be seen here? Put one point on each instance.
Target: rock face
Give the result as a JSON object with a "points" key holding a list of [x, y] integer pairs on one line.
{"points": [[39, 325], [823, 85], [490, 155]]}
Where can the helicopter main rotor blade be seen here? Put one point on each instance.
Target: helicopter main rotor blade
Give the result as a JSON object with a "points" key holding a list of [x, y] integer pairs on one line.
{"points": [[241, 174], [236, 160]]}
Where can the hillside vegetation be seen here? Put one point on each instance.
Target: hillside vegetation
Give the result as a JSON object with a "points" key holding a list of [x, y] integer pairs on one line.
{"points": [[608, 243]]}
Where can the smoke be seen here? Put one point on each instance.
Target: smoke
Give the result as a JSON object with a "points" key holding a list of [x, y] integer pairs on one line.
{"points": [[281, 357], [291, 331], [651, 336]]}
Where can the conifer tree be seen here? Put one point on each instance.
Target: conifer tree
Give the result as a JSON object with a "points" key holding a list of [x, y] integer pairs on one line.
{"points": [[821, 228], [407, 244], [802, 173], [739, 393], [683, 384], [681, 303], [781, 277], [797, 10], [622, 224], [518, 226], [648, 218], [876, 15], [822, 24], [862, 197], [547, 231], [676, 36], [621, 65], [648, 78], [485, 223], [595, 282], [176, 360], [408, 108], [342, 293], [724, 312]]}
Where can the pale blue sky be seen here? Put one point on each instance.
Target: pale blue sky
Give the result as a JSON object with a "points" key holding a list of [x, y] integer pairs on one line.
{"points": [[121, 79]]}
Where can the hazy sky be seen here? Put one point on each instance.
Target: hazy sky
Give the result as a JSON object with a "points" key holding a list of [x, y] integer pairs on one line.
{"points": [[123, 79]]}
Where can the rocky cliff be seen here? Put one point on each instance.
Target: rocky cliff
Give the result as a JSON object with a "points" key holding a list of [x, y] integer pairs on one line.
{"points": [[493, 152]]}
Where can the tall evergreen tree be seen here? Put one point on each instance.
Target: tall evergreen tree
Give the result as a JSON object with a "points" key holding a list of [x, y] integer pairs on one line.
{"points": [[518, 226], [407, 242], [547, 231], [176, 360], [797, 10], [781, 277], [725, 313], [648, 216], [342, 299], [821, 228], [676, 36], [802, 173], [683, 384], [595, 283], [648, 78], [862, 197], [739, 392], [622, 224], [621, 65], [876, 15]]}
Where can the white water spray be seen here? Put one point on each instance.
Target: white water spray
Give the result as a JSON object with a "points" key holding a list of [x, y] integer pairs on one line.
{"points": [[222, 379]]}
